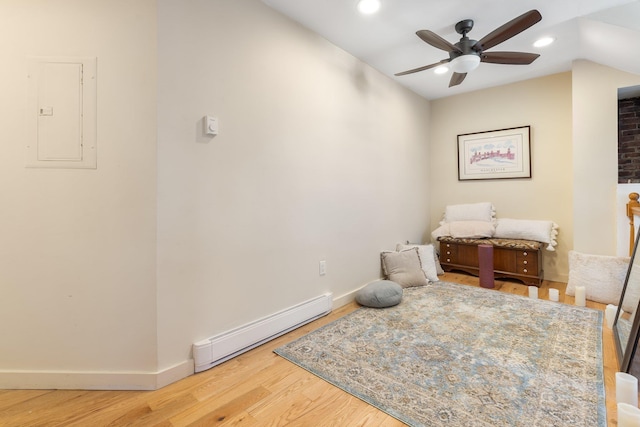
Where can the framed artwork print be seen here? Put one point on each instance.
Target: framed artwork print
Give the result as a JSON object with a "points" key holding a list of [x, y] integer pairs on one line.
{"points": [[496, 154]]}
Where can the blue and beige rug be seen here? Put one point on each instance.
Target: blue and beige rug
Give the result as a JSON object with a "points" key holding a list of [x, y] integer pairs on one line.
{"points": [[458, 356]]}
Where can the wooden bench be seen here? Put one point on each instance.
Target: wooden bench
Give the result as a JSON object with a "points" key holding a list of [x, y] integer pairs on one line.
{"points": [[512, 259]]}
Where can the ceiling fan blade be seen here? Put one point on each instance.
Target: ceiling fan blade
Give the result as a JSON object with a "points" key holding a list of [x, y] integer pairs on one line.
{"points": [[512, 58], [508, 30], [456, 79], [436, 41], [426, 67]]}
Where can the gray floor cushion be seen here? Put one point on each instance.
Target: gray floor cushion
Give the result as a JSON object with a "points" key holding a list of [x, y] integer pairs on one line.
{"points": [[379, 294]]}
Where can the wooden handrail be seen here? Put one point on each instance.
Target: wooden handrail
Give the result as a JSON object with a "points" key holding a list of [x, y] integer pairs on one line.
{"points": [[633, 208]]}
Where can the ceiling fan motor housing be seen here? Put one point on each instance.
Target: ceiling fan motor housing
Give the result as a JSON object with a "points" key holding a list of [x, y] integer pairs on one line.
{"points": [[466, 46]]}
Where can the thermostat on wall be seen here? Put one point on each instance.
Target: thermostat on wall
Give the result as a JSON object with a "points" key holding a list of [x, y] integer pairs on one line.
{"points": [[210, 125]]}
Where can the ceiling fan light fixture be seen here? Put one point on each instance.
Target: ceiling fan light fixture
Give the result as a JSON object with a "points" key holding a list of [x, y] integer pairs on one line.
{"points": [[368, 7], [465, 63]]}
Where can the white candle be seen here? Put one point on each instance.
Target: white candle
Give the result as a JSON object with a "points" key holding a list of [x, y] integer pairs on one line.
{"points": [[533, 292], [554, 294], [581, 296], [628, 415], [626, 389], [610, 314]]}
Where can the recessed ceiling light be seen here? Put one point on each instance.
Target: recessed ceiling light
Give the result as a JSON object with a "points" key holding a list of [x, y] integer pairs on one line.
{"points": [[369, 6], [544, 41], [441, 69]]}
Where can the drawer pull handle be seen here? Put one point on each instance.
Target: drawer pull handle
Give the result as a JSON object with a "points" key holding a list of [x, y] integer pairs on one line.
{"points": [[448, 260], [448, 252], [448, 245], [525, 270], [526, 262], [524, 253]]}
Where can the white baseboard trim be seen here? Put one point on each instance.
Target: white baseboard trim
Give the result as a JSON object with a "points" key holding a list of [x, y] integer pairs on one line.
{"points": [[73, 380], [346, 298], [69, 380], [175, 373]]}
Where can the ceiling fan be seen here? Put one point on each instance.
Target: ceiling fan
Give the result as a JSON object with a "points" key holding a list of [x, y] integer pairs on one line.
{"points": [[467, 54]]}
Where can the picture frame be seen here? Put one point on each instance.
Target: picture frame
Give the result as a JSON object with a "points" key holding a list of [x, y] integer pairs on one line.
{"points": [[496, 154]]}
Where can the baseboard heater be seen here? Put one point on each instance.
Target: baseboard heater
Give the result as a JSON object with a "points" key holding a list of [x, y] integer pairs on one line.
{"points": [[220, 348]]}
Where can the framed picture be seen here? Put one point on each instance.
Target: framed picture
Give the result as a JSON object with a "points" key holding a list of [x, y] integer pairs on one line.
{"points": [[497, 154]]}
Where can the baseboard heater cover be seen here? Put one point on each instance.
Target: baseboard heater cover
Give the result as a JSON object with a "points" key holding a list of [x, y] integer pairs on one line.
{"points": [[220, 348]]}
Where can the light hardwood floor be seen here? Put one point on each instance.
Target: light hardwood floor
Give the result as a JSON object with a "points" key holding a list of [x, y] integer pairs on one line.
{"points": [[257, 388]]}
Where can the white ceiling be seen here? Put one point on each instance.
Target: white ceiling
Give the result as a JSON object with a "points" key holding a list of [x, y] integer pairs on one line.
{"points": [[603, 31]]}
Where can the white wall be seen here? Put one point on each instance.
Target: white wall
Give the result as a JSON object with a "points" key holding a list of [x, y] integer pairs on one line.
{"points": [[109, 275], [319, 157], [77, 259], [595, 155], [545, 105]]}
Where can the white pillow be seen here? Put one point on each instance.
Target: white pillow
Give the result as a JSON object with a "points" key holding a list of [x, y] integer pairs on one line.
{"points": [[443, 230], [464, 229], [471, 229], [601, 275], [469, 212], [427, 259], [540, 231]]}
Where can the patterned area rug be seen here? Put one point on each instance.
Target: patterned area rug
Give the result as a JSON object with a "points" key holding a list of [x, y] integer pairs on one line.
{"points": [[459, 356]]}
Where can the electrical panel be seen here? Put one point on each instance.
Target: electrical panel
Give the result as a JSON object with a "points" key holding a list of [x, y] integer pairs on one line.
{"points": [[62, 113]]}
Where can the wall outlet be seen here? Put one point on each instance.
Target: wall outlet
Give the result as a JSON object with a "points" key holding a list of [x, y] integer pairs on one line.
{"points": [[322, 268]]}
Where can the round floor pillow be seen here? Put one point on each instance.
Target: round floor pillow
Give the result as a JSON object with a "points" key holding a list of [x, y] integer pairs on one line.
{"points": [[380, 294]]}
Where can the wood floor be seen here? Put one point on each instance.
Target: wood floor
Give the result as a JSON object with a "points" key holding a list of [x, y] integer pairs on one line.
{"points": [[258, 388]]}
